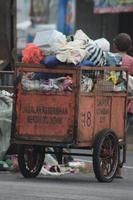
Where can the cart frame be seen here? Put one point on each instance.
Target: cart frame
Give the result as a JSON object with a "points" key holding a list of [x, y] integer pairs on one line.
{"points": [[80, 133]]}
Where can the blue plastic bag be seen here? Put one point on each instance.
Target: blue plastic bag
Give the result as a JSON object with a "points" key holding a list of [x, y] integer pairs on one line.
{"points": [[86, 63], [51, 61]]}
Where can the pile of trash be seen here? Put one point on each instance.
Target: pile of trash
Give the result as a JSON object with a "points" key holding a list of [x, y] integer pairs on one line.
{"points": [[69, 165], [42, 82], [9, 163], [109, 81], [53, 48], [72, 167], [50, 166]]}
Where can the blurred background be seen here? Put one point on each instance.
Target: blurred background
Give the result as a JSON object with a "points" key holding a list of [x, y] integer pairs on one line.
{"points": [[21, 19]]}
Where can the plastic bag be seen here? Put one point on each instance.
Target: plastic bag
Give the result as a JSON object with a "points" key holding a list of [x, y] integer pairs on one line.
{"points": [[80, 35], [50, 40], [5, 123], [130, 82], [51, 61]]}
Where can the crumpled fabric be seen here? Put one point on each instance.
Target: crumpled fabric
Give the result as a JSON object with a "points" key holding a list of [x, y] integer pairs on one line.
{"points": [[81, 48], [74, 51], [58, 40], [96, 55], [32, 54]]}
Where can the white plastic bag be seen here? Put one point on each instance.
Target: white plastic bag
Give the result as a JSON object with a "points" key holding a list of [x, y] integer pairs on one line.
{"points": [[50, 40], [80, 35], [5, 123]]}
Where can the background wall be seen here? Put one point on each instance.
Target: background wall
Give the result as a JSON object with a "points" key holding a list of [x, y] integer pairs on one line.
{"points": [[95, 25]]}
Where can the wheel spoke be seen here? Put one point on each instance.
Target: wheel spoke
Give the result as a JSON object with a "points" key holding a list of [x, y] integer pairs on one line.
{"points": [[105, 168], [105, 156]]}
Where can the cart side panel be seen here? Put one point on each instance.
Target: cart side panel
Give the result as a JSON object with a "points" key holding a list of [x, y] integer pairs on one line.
{"points": [[102, 113], [117, 116], [86, 119], [45, 117]]}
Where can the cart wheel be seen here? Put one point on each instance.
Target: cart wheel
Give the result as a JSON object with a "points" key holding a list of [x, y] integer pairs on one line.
{"points": [[30, 159], [105, 155]]}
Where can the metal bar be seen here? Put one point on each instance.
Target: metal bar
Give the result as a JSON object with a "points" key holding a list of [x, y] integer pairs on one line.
{"points": [[74, 154], [6, 72], [41, 67], [130, 97], [6, 87], [104, 68]]}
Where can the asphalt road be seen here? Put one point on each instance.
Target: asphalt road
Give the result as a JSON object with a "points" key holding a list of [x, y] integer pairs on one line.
{"points": [[67, 187]]}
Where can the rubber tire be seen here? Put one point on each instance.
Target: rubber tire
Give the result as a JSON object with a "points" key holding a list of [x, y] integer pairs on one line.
{"points": [[97, 148], [37, 151]]}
